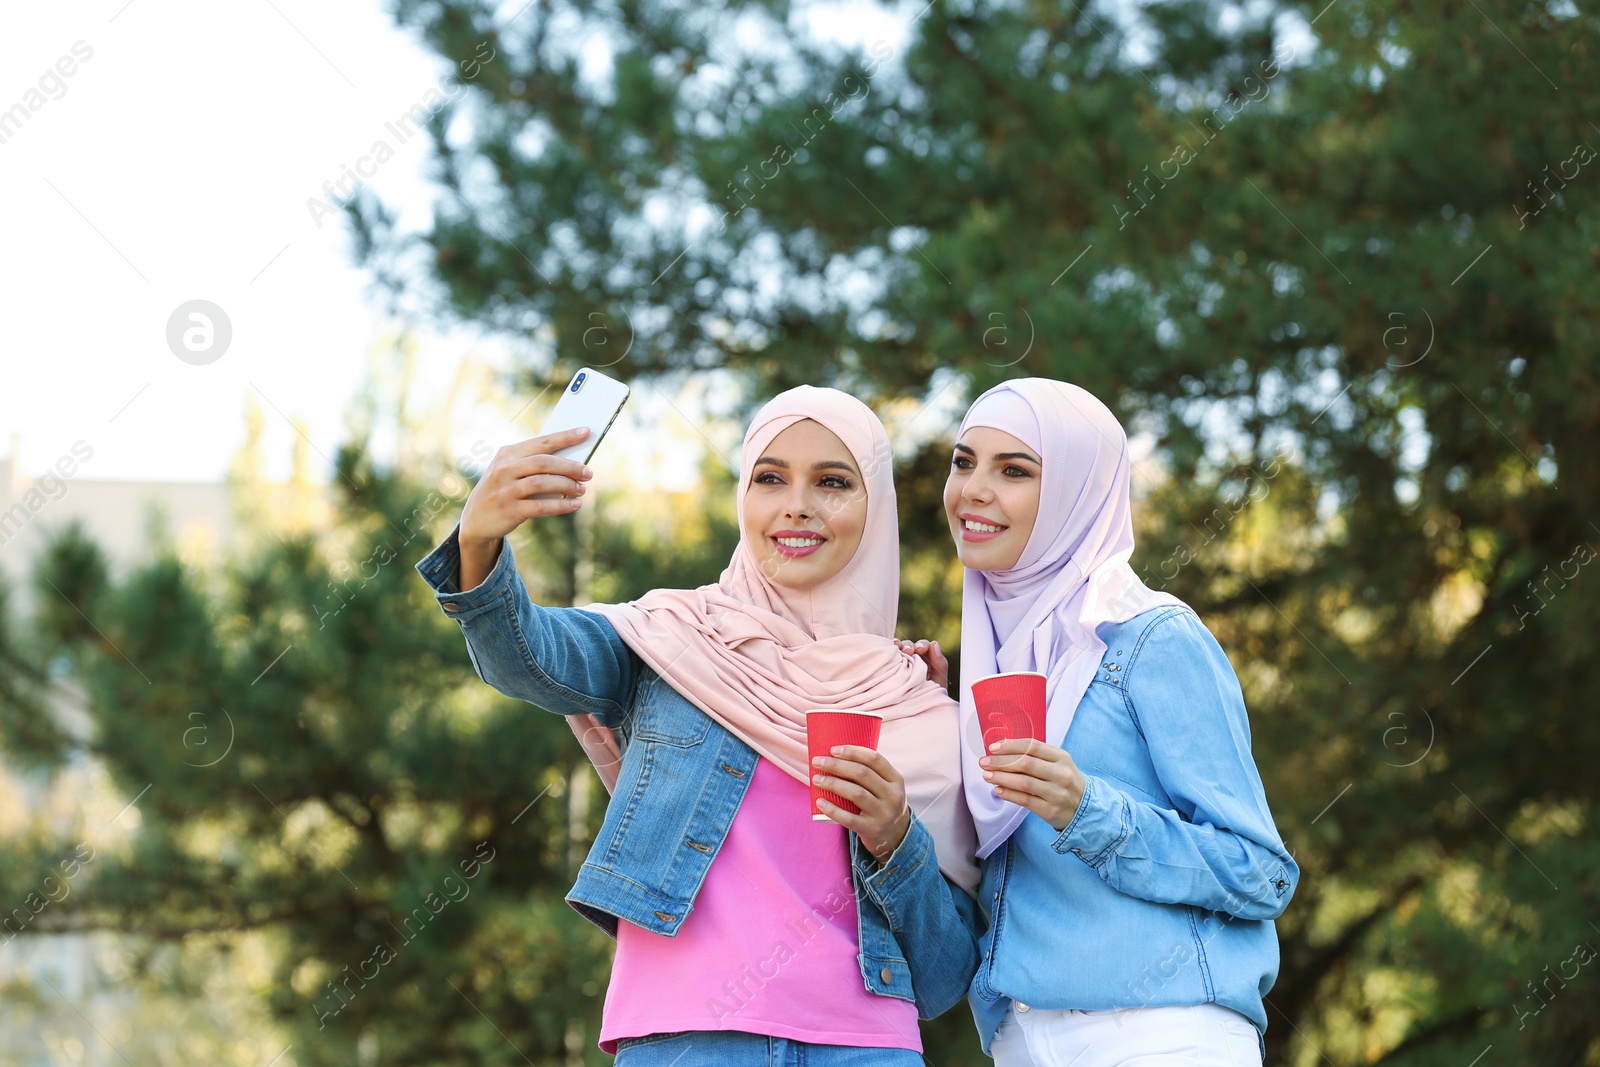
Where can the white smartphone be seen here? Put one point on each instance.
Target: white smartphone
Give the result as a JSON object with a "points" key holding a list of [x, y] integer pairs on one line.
{"points": [[591, 399]]}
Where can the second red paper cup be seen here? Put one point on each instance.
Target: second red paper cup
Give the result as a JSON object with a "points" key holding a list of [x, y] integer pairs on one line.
{"points": [[1010, 705], [824, 729]]}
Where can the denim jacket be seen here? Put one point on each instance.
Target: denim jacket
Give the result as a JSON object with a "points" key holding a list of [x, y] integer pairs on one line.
{"points": [[1163, 888], [681, 780]]}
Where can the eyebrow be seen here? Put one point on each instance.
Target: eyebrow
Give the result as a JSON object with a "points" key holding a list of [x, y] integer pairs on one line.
{"points": [[821, 465], [999, 455]]}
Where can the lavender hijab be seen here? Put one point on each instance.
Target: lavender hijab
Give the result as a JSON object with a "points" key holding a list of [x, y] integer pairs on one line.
{"points": [[1073, 575]]}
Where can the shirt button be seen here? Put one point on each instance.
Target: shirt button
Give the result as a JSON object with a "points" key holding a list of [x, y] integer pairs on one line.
{"points": [[885, 976], [1023, 1007], [452, 606]]}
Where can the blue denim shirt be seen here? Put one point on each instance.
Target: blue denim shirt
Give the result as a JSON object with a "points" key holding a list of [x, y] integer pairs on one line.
{"points": [[1163, 888], [681, 780]]}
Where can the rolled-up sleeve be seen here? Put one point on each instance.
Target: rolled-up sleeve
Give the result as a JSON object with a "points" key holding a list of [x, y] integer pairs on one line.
{"points": [[1217, 847]]}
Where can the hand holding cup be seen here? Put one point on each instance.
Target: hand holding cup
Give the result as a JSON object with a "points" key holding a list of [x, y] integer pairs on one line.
{"points": [[1020, 765], [1040, 777], [870, 784], [852, 784]]}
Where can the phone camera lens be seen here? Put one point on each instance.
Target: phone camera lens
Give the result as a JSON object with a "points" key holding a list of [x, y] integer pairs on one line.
{"points": [[577, 383]]}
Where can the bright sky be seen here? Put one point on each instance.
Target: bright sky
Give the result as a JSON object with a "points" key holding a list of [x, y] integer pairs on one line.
{"points": [[174, 164]]}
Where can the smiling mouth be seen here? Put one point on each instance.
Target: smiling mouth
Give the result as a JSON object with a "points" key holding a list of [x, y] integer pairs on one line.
{"points": [[974, 529], [795, 544]]}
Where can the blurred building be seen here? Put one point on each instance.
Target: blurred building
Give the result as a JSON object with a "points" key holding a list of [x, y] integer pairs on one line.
{"points": [[121, 516]]}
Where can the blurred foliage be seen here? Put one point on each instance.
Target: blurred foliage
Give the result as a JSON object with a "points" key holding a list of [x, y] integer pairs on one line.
{"points": [[1348, 288], [322, 764]]}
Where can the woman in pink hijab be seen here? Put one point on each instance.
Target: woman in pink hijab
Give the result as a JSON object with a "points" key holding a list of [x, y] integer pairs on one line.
{"points": [[746, 931], [1132, 871]]}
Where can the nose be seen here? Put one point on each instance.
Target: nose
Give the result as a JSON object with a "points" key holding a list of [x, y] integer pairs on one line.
{"points": [[798, 505], [977, 489]]}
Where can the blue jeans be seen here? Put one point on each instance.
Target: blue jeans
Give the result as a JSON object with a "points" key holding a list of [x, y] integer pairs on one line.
{"points": [[731, 1048]]}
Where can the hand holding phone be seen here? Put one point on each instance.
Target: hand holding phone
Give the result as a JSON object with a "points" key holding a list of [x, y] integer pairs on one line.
{"points": [[523, 481], [544, 475]]}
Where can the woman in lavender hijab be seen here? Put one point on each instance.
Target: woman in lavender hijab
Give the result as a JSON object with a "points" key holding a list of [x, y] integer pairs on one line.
{"points": [[1131, 868]]}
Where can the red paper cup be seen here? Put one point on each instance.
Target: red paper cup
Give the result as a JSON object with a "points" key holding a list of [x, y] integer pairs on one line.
{"points": [[1010, 705], [824, 729]]}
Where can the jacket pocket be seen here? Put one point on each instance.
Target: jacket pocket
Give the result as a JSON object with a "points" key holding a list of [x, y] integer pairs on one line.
{"points": [[661, 714]]}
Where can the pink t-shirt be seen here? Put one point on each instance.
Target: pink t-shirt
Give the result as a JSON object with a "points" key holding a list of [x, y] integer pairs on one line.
{"points": [[770, 946]]}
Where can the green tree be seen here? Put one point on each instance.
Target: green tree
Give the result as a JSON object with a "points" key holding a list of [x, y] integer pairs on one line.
{"points": [[1358, 236], [314, 760], [1348, 289]]}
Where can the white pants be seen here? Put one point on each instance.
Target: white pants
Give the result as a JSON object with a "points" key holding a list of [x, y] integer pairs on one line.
{"points": [[1200, 1035]]}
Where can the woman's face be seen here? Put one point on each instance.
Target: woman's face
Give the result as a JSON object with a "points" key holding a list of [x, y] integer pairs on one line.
{"points": [[806, 507], [991, 498]]}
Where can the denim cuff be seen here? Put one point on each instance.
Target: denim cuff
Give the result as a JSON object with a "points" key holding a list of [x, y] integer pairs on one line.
{"points": [[1101, 824], [441, 567], [884, 880]]}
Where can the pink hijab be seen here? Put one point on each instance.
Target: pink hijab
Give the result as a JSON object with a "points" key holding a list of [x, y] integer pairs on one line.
{"points": [[1072, 576], [756, 656]]}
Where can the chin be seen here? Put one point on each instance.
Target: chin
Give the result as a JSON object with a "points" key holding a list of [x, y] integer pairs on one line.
{"points": [[800, 583], [981, 558], [792, 574]]}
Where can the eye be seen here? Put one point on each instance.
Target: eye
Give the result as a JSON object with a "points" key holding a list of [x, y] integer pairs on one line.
{"points": [[835, 481], [961, 463], [1014, 471], [767, 478]]}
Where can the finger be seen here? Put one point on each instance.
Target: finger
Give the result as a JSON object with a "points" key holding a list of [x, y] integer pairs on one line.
{"points": [[869, 757], [1010, 746], [1025, 800], [1032, 766], [524, 488], [844, 818], [861, 775], [537, 507], [1020, 783], [1025, 746], [544, 463], [545, 443], [852, 792]]}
